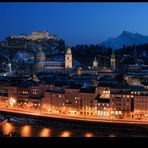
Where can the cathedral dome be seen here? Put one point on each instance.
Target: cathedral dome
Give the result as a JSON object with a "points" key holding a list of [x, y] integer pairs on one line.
{"points": [[40, 56], [40, 53]]}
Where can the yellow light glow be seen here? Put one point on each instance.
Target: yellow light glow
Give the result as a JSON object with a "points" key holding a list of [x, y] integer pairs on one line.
{"points": [[89, 135], [45, 132], [12, 101], [111, 135], [65, 134], [26, 131], [7, 127]]}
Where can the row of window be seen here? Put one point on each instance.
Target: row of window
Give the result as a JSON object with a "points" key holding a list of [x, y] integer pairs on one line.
{"points": [[142, 101], [102, 104], [127, 96]]}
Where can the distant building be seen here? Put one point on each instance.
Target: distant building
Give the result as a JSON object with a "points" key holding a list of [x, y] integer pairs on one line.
{"points": [[41, 64], [35, 36]]}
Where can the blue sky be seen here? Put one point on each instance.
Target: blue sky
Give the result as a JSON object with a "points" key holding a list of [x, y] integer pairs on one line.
{"points": [[76, 23]]}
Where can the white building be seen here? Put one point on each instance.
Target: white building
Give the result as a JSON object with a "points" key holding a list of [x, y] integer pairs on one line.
{"points": [[35, 36]]}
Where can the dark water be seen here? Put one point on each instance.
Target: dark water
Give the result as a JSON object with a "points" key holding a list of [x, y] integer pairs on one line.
{"points": [[39, 131]]}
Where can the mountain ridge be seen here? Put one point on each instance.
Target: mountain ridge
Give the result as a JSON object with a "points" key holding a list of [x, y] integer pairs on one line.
{"points": [[125, 38]]}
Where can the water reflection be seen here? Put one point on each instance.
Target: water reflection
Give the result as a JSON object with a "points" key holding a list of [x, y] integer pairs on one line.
{"points": [[65, 134], [7, 128], [45, 132], [38, 131], [88, 135], [25, 131], [112, 135]]}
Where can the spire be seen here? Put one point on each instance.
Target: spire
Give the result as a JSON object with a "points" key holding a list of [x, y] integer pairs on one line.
{"points": [[9, 65], [113, 60], [95, 63]]}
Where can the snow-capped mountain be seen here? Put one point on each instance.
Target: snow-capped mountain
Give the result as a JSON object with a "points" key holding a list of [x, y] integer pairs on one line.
{"points": [[126, 38]]}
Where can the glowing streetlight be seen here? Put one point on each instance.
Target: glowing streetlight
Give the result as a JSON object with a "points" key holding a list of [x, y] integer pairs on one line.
{"points": [[12, 102], [88, 135], [65, 134]]}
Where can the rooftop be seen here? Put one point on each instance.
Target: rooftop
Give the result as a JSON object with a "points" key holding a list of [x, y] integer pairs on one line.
{"points": [[88, 90], [102, 100], [114, 85]]}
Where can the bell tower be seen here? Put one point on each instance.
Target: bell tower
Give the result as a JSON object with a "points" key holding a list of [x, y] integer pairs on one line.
{"points": [[113, 61], [68, 59], [95, 63]]}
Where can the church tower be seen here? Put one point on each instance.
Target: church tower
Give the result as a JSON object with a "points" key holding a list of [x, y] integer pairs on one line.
{"points": [[68, 58], [9, 66], [40, 59], [113, 61], [95, 63]]}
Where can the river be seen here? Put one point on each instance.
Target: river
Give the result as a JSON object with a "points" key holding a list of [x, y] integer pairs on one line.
{"points": [[33, 126], [38, 131]]}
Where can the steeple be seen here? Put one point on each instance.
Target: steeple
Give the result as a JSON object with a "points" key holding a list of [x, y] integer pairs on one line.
{"points": [[113, 53], [95, 63], [9, 66], [113, 60]]}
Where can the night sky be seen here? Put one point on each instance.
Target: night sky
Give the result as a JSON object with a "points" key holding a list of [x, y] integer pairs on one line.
{"points": [[76, 23]]}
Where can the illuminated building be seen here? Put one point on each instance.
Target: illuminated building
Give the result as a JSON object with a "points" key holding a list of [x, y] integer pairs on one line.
{"points": [[87, 101], [140, 102], [95, 63], [102, 107], [68, 59], [35, 36], [122, 104], [41, 64]]}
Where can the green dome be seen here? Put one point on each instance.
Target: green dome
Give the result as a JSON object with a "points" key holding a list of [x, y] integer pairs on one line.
{"points": [[40, 53]]}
